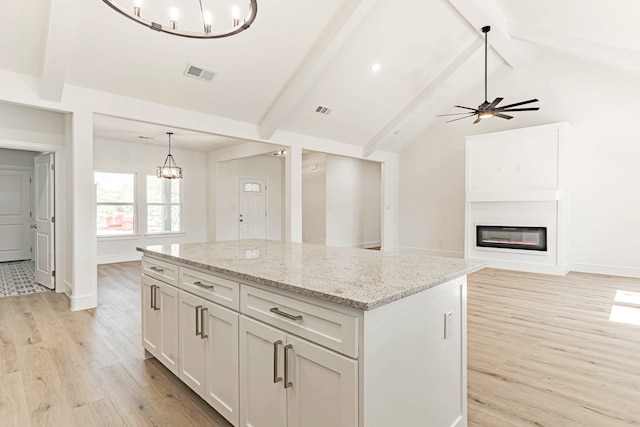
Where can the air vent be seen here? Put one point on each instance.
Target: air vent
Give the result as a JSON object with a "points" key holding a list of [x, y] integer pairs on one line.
{"points": [[323, 110], [199, 73]]}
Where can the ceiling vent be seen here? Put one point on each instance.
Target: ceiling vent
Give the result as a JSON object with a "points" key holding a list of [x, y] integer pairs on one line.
{"points": [[199, 73], [323, 110]]}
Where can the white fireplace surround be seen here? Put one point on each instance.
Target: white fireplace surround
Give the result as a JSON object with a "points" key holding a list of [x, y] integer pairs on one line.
{"points": [[518, 178]]}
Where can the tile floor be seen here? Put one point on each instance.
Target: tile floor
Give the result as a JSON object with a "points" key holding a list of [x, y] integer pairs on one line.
{"points": [[17, 278]]}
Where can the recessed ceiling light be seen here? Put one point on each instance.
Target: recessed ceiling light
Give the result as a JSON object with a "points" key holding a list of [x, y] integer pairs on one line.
{"points": [[375, 67]]}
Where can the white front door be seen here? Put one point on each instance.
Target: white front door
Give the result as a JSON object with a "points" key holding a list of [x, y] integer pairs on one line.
{"points": [[15, 206], [252, 212], [44, 239]]}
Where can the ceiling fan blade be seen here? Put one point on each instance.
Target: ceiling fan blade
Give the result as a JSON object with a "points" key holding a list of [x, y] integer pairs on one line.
{"points": [[503, 116], [519, 109], [519, 103], [454, 114], [477, 120], [460, 118], [494, 103], [468, 108]]}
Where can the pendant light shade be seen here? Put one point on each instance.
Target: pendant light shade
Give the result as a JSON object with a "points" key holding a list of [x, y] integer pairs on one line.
{"points": [[170, 170]]}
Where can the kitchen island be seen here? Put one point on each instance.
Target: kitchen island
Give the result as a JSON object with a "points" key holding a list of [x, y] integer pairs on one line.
{"points": [[300, 335]]}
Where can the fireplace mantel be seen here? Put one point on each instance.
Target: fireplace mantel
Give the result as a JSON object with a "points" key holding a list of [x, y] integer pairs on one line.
{"points": [[518, 178]]}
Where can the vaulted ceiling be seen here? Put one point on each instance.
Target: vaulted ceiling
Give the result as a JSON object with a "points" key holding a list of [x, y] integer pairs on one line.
{"points": [[299, 55]]}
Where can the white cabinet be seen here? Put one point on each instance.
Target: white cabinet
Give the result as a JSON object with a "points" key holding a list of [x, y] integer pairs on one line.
{"points": [[288, 381], [209, 348], [160, 321]]}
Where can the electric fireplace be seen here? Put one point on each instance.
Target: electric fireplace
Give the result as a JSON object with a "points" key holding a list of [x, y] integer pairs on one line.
{"points": [[527, 238]]}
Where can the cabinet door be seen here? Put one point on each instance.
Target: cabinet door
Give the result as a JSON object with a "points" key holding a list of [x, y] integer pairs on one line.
{"points": [[324, 386], [262, 401], [150, 323], [221, 365], [192, 345], [167, 302]]}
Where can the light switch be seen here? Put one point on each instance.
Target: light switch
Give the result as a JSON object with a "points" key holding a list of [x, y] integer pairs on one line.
{"points": [[448, 324]]}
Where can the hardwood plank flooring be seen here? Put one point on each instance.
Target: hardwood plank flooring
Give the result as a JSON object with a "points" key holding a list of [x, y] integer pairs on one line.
{"points": [[541, 350]]}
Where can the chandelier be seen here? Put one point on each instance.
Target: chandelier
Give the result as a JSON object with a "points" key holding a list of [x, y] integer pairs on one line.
{"points": [[203, 19], [170, 170]]}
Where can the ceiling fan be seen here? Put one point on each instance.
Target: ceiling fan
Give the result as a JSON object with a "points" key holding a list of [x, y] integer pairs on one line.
{"points": [[490, 109]]}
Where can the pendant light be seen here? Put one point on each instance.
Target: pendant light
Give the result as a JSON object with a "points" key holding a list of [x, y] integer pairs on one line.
{"points": [[170, 170]]}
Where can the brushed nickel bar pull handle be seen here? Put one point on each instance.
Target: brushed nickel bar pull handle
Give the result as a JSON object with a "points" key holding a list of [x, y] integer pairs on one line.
{"points": [[198, 332], [287, 383], [283, 314], [155, 298], [276, 378], [202, 285], [151, 297], [202, 322], [159, 270]]}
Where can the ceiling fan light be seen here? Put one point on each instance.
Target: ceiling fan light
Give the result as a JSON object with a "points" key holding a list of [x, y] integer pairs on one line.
{"points": [[485, 114]]}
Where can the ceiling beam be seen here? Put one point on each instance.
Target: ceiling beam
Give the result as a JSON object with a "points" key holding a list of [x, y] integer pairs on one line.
{"points": [[247, 149], [425, 94], [482, 13], [338, 31], [579, 48], [56, 49]]}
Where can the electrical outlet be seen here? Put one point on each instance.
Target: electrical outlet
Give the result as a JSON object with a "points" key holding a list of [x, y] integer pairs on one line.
{"points": [[448, 324]]}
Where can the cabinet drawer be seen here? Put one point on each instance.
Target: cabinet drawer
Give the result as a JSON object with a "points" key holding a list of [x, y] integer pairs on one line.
{"points": [[212, 288], [332, 329], [160, 270]]}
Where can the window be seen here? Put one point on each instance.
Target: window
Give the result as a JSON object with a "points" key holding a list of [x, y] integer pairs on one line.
{"points": [[115, 203], [164, 205], [252, 187]]}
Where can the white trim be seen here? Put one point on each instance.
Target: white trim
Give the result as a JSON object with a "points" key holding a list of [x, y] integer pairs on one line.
{"points": [[165, 234], [608, 270], [527, 267], [431, 252], [107, 238], [84, 302], [126, 257]]}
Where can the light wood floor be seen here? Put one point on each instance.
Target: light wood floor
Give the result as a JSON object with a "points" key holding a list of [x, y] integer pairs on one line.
{"points": [[541, 352]]}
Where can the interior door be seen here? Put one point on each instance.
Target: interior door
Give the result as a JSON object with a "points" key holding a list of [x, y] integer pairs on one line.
{"points": [[252, 213], [15, 207], [44, 238]]}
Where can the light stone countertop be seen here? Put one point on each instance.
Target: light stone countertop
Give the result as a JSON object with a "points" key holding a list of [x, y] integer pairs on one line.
{"points": [[358, 278]]}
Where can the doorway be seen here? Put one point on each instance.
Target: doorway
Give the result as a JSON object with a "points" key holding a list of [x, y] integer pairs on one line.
{"points": [[27, 241], [252, 212]]}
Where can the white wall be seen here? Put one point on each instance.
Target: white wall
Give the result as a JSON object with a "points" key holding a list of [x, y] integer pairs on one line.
{"points": [[314, 198], [21, 158], [142, 159], [601, 104], [352, 202], [31, 124], [226, 194]]}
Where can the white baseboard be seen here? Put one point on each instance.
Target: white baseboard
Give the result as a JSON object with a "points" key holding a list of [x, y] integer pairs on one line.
{"points": [[431, 252], [111, 259], [67, 289], [84, 302], [608, 270], [523, 266]]}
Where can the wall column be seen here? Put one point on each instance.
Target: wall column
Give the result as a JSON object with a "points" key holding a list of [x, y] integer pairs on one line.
{"points": [[84, 289], [293, 195]]}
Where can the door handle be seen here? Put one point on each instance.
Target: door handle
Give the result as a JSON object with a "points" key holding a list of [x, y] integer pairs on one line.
{"points": [[202, 285], [198, 318], [151, 297], [155, 298], [276, 378], [202, 322], [277, 311], [287, 383]]}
